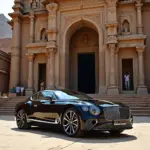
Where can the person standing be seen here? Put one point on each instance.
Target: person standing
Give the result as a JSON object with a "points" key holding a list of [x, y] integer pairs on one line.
{"points": [[127, 81], [22, 91], [18, 90]]}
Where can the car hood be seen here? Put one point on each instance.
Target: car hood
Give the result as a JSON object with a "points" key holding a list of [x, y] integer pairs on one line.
{"points": [[103, 103]]}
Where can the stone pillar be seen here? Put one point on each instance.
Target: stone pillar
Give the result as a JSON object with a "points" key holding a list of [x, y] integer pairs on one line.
{"points": [[15, 53], [52, 22], [116, 66], [50, 68], [30, 89], [139, 17], [112, 89], [51, 44], [102, 78], [142, 89], [112, 41], [32, 27]]}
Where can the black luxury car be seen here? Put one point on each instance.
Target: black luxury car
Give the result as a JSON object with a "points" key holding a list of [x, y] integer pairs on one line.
{"points": [[75, 112]]}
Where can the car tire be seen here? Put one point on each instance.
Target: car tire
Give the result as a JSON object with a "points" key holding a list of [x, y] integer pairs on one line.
{"points": [[71, 125], [116, 132], [21, 120]]}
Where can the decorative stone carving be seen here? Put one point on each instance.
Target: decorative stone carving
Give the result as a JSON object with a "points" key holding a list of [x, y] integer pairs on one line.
{"points": [[51, 44], [32, 26], [94, 17], [43, 35], [52, 8], [125, 27], [140, 49], [34, 4], [85, 37], [139, 16], [111, 39], [30, 57], [52, 21], [111, 2]]}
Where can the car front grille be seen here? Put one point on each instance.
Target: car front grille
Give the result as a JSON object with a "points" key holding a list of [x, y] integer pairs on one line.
{"points": [[116, 113]]}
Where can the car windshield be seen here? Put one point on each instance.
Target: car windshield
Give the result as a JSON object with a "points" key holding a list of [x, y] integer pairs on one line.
{"points": [[69, 94]]}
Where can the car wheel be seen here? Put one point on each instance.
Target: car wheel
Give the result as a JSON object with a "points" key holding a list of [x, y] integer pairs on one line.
{"points": [[71, 123], [116, 132], [21, 120]]}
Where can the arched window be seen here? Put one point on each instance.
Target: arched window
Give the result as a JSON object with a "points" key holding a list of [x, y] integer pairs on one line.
{"points": [[43, 36], [125, 26]]}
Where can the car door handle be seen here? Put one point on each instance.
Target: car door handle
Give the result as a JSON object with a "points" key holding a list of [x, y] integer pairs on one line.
{"points": [[35, 105]]}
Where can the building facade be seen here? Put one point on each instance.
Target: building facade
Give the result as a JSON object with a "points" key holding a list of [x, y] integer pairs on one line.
{"points": [[4, 72], [88, 45]]}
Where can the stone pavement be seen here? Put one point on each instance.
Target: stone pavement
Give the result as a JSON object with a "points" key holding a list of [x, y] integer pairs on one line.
{"points": [[12, 138]]}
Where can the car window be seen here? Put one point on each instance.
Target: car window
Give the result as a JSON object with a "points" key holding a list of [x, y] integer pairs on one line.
{"points": [[69, 94], [49, 94]]}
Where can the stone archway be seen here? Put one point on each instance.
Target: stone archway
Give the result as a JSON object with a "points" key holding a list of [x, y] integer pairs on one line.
{"points": [[84, 60], [65, 53]]}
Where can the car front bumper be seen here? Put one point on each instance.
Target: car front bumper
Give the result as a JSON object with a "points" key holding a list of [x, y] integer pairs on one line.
{"points": [[107, 125]]}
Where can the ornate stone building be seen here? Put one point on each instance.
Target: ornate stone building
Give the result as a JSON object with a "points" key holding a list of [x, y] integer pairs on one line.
{"points": [[4, 72], [86, 45]]}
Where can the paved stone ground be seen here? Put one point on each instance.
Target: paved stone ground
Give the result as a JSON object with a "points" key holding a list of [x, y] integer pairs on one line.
{"points": [[45, 139]]}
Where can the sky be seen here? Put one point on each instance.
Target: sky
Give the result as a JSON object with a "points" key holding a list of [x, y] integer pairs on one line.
{"points": [[6, 7]]}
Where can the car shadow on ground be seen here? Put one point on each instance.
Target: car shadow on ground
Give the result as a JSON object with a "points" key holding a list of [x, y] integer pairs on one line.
{"points": [[137, 119], [89, 137]]}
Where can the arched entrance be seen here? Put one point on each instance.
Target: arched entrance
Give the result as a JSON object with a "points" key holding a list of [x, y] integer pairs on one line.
{"points": [[93, 43], [83, 60]]}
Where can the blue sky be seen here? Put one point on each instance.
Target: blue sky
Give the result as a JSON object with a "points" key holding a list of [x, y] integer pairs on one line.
{"points": [[6, 7]]}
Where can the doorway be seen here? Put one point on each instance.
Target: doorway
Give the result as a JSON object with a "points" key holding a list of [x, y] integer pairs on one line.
{"points": [[127, 69], [42, 75], [86, 72]]}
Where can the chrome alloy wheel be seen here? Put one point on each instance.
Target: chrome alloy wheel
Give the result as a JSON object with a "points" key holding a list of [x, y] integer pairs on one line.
{"points": [[70, 122], [21, 119]]}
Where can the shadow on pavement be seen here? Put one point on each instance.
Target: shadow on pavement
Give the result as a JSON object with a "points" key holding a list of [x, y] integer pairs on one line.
{"points": [[89, 137], [7, 118], [137, 119]]}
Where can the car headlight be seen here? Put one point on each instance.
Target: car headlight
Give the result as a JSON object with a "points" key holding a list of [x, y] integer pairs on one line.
{"points": [[85, 108], [94, 110]]}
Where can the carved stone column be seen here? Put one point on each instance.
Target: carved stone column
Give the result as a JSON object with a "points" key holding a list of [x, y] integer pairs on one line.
{"points": [[15, 53], [51, 44], [52, 21], [139, 17], [102, 76], [116, 66], [50, 68], [30, 89], [142, 89], [111, 26], [32, 26]]}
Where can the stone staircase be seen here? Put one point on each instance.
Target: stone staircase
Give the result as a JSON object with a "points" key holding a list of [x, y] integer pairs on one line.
{"points": [[140, 105], [7, 108]]}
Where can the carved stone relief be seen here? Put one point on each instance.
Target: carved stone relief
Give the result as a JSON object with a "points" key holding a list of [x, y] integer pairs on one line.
{"points": [[69, 19], [125, 27], [43, 36], [35, 4]]}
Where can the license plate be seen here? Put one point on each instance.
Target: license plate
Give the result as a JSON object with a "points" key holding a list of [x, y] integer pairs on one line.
{"points": [[120, 122]]}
